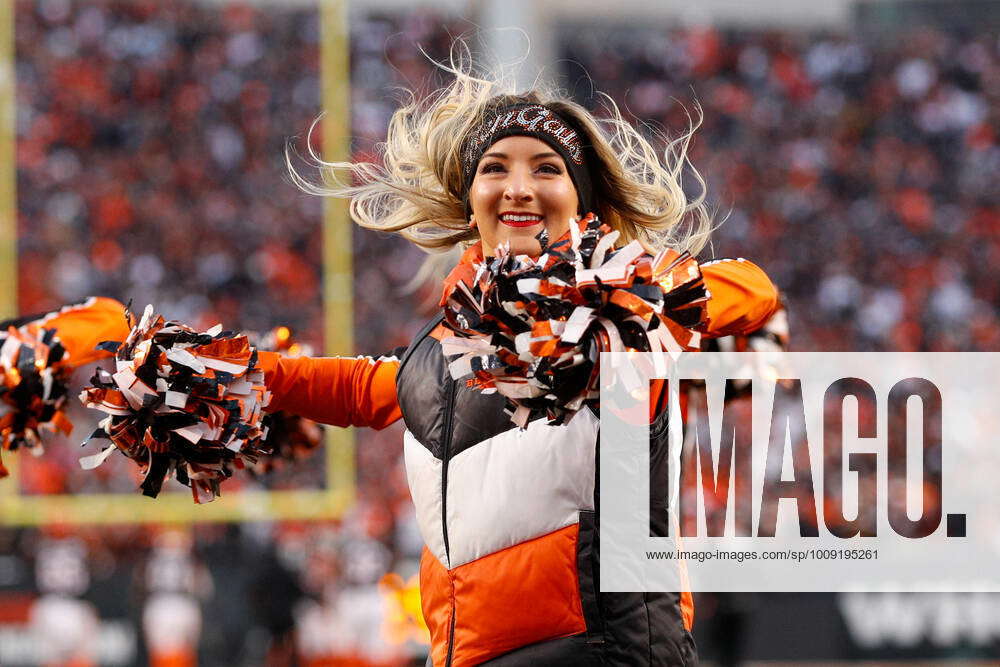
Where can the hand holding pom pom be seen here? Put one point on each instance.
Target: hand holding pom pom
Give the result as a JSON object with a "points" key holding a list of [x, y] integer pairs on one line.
{"points": [[34, 387], [290, 437], [38, 354], [180, 402], [771, 337], [533, 329]]}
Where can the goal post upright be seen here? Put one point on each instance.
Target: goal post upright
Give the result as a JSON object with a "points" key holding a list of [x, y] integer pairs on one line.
{"points": [[8, 173], [338, 270]]}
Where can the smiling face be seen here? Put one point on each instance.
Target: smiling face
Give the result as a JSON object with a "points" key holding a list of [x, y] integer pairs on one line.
{"points": [[521, 186]]}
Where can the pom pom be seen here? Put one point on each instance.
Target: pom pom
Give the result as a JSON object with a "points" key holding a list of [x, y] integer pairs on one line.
{"points": [[180, 402], [34, 388], [290, 437], [533, 330]]}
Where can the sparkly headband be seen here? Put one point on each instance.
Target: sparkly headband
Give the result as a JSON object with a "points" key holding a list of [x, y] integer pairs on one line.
{"points": [[530, 120]]}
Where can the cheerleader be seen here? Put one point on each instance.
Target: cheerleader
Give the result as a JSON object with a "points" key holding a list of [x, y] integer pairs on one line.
{"points": [[509, 574]]}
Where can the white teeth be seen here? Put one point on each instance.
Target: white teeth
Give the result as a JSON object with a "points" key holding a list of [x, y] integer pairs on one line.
{"points": [[520, 218]]}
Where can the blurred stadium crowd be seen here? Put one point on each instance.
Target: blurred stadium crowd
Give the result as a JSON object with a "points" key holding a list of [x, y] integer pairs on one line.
{"points": [[860, 173]]}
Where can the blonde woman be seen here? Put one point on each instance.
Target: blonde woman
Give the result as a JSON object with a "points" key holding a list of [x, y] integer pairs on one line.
{"points": [[510, 569]]}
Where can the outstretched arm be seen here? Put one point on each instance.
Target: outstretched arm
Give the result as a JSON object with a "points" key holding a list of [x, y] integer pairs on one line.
{"points": [[342, 391]]}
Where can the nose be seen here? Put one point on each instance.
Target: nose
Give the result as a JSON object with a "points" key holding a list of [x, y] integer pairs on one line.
{"points": [[518, 188]]}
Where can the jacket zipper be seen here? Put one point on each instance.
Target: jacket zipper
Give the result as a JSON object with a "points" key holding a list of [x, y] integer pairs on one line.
{"points": [[446, 458]]}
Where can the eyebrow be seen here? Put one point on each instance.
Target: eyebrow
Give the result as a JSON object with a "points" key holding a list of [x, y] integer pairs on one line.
{"points": [[539, 156]]}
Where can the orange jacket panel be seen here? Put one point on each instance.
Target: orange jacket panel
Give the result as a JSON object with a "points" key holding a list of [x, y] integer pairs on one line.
{"points": [[498, 615]]}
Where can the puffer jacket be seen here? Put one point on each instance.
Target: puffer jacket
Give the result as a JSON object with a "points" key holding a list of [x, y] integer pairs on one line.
{"points": [[509, 516], [509, 575]]}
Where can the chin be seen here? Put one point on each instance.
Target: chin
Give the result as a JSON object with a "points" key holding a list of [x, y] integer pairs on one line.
{"points": [[525, 245]]}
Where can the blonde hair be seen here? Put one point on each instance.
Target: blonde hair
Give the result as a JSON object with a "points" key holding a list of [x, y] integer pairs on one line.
{"points": [[417, 190]]}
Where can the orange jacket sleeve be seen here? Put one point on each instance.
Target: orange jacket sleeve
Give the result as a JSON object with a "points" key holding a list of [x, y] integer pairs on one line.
{"points": [[743, 297], [81, 326], [341, 391]]}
